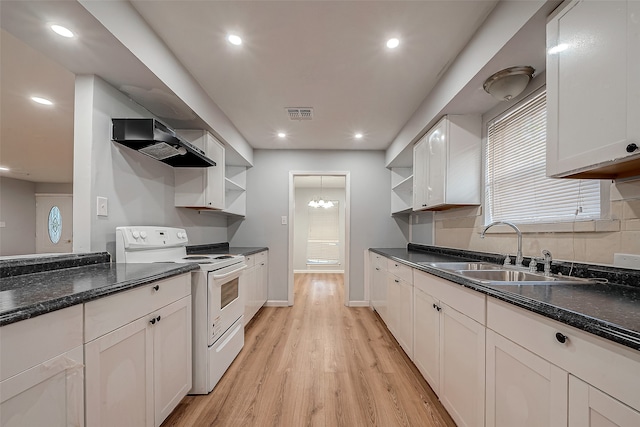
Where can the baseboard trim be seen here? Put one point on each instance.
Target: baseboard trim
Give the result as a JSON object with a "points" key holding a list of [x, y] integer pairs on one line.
{"points": [[276, 303], [318, 271], [358, 303]]}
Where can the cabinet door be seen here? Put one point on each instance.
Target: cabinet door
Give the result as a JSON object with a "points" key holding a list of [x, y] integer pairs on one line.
{"points": [[426, 338], [250, 291], [393, 304], [264, 284], [420, 160], [522, 388], [49, 394], [462, 368], [171, 357], [119, 377], [404, 318], [589, 407], [436, 164], [590, 84], [215, 190]]}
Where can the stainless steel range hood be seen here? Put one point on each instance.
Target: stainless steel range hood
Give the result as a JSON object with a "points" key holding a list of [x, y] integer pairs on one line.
{"points": [[157, 140]]}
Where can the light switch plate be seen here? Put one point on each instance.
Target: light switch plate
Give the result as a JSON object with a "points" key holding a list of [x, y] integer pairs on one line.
{"points": [[283, 220], [103, 206], [626, 260]]}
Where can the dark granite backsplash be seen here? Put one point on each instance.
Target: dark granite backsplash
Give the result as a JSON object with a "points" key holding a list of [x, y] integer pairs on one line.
{"points": [[209, 248], [608, 274], [39, 263]]}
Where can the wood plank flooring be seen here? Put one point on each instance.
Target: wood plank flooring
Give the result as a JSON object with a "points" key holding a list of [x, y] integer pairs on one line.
{"points": [[317, 363]]}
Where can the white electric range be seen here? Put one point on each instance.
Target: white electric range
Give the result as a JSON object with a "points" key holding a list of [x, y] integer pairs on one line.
{"points": [[217, 296]]}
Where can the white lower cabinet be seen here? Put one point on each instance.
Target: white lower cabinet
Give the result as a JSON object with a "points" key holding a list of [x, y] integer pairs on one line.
{"points": [[400, 312], [139, 368], [256, 282], [589, 407], [378, 283], [522, 388], [38, 388], [449, 346]]}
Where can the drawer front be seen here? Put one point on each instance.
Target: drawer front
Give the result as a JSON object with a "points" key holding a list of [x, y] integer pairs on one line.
{"points": [[32, 341], [261, 257], [250, 260], [607, 366], [109, 313], [464, 300], [400, 270], [378, 261]]}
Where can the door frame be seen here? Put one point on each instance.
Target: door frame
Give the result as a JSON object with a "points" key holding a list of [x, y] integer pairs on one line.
{"points": [[347, 224]]}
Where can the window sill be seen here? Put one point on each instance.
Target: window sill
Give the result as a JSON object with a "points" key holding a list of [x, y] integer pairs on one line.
{"points": [[592, 226]]}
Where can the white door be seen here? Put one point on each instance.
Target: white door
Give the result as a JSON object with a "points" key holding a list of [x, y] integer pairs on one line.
{"points": [[49, 394], [426, 342], [462, 368], [118, 371], [171, 356], [54, 223], [589, 407], [522, 388]]}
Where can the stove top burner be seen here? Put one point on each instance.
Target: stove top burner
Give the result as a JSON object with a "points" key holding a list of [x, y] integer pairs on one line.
{"points": [[196, 257], [223, 257]]}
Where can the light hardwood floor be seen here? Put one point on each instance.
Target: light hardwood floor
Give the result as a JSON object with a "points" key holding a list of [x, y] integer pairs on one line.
{"points": [[317, 363]]}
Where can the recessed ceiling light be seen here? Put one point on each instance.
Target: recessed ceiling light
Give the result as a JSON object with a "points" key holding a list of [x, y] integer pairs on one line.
{"points": [[42, 101], [393, 43], [62, 31], [357, 136], [233, 39], [282, 134]]}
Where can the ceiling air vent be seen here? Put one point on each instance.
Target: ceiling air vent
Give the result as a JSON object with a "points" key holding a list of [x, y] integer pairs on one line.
{"points": [[300, 113]]}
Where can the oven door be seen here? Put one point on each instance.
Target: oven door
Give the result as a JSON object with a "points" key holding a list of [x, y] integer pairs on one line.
{"points": [[226, 300]]}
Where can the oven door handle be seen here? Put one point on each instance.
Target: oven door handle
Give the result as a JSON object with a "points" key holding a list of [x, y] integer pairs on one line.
{"points": [[224, 276]]}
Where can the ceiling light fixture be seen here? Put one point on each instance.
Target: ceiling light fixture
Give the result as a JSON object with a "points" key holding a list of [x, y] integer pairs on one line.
{"points": [[40, 100], [357, 136], [235, 40], [62, 31], [4, 169], [282, 134], [393, 43], [508, 83], [319, 202]]}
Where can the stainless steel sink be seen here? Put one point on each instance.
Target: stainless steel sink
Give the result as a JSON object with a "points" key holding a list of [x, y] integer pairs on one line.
{"points": [[463, 265], [505, 276]]}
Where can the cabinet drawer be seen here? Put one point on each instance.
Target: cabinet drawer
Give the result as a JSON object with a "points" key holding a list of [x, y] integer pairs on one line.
{"points": [[464, 300], [109, 313], [32, 341], [250, 260], [378, 261], [261, 257], [608, 366], [400, 270]]}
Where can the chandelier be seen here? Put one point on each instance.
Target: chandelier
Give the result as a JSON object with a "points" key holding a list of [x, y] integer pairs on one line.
{"points": [[319, 202]]}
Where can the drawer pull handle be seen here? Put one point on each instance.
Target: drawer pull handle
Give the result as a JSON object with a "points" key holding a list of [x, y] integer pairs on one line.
{"points": [[152, 321], [632, 147], [377, 268], [437, 307], [561, 338], [396, 280], [156, 288]]}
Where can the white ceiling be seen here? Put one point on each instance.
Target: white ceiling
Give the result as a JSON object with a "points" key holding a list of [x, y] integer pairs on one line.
{"points": [[329, 55]]}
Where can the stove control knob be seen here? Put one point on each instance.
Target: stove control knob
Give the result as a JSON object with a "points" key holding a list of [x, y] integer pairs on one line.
{"points": [[135, 234], [181, 235], [143, 234]]}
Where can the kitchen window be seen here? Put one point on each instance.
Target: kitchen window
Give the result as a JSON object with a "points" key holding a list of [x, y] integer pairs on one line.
{"points": [[517, 188]]}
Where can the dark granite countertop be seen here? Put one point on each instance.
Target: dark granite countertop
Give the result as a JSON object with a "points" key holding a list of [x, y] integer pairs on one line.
{"points": [[29, 295], [609, 310]]}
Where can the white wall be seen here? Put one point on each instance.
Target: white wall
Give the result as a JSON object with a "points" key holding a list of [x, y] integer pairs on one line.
{"points": [[301, 226], [139, 189], [18, 213], [268, 200]]}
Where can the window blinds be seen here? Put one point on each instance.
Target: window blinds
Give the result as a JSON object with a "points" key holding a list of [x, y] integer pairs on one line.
{"points": [[517, 188], [324, 236]]}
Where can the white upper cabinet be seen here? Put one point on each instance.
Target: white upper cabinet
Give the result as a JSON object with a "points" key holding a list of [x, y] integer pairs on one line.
{"points": [[593, 90], [202, 188], [447, 164]]}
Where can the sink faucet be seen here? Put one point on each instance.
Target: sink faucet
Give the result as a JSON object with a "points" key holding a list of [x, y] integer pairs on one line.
{"points": [[517, 230], [547, 262]]}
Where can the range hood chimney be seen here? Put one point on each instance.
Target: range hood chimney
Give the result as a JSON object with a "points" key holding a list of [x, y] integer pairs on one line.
{"points": [[157, 140]]}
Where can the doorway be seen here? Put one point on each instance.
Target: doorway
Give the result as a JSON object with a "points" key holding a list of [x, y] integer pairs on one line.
{"points": [[318, 226], [54, 223]]}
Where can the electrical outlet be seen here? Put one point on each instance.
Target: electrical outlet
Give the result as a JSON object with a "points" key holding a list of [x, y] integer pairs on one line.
{"points": [[103, 206], [626, 260], [283, 220]]}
